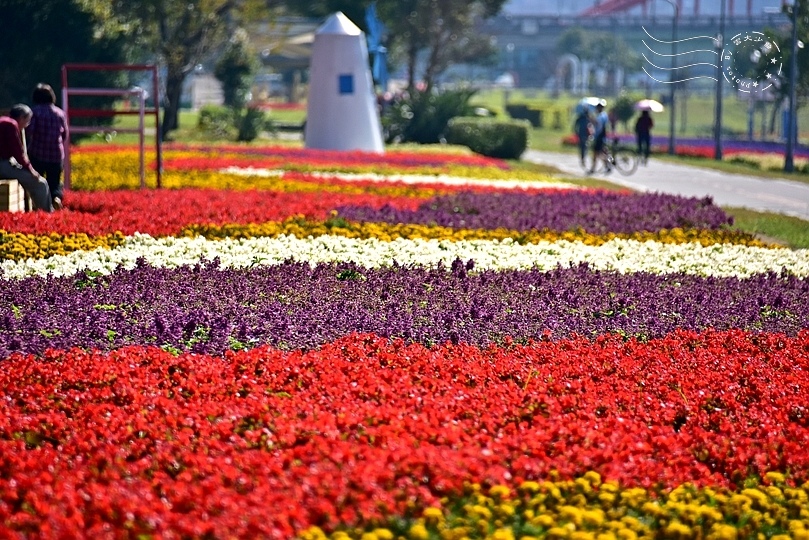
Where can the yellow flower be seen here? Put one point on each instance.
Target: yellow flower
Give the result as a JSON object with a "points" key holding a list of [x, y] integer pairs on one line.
{"points": [[418, 532], [502, 534]]}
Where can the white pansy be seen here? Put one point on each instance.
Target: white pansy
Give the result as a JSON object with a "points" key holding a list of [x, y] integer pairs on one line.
{"points": [[621, 255], [413, 179]]}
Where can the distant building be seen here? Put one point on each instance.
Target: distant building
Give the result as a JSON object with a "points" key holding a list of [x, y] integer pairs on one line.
{"points": [[651, 8]]}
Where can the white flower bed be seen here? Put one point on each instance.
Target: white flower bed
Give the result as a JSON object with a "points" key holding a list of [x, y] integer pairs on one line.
{"points": [[412, 179], [620, 255]]}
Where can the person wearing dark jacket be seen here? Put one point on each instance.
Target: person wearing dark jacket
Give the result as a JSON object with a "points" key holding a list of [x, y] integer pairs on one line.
{"points": [[14, 162], [643, 130], [46, 136]]}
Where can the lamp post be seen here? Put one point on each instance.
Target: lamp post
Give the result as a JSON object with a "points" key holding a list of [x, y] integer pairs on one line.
{"points": [[719, 44], [789, 158], [673, 71]]}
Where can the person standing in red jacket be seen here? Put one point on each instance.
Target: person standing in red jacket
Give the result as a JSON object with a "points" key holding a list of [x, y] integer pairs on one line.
{"points": [[14, 161], [46, 136]]}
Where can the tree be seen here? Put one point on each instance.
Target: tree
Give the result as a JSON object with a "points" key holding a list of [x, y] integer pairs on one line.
{"points": [[36, 45], [603, 49], [180, 33], [444, 31], [783, 54], [234, 69]]}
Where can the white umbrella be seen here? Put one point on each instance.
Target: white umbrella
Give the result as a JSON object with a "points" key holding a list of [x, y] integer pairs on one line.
{"points": [[589, 103], [649, 105]]}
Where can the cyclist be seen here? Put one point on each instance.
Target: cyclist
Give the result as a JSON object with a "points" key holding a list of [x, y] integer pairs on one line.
{"points": [[600, 138]]}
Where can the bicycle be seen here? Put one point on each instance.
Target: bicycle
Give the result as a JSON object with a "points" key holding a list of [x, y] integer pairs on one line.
{"points": [[621, 158]]}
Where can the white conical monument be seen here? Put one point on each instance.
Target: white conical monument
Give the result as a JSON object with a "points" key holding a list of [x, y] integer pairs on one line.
{"points": [[342, 112]]}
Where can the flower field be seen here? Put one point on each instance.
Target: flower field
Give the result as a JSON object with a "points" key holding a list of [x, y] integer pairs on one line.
{"points": [[286, 343]]}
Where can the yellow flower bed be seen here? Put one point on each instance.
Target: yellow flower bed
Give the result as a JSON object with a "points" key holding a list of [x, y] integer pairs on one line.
{"points": [[19, 246], [302, 228], [587, 509], [119, 169]]}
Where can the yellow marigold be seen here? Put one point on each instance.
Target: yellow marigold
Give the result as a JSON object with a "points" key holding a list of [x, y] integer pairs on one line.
{"points": [[756, 496], [607, 498], [606, 536], [384, 534], [594, 517], [369, 536], [583, 485], [529, 486], [723, 531], [502, 534], [626, 534], [558, 532], [678, 529], [433, 514], [478, 510], [544, 520], [775, 477], [593, 477], [313, 533], [634, 496], [505, 510], [500, 492], [418, 532], [571, 513]]}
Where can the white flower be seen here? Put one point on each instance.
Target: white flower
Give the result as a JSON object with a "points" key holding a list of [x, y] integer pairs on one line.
{"points": [[625, 256]]}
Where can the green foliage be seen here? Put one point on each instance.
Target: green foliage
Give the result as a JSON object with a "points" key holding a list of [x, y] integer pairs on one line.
{"points": [[235, 68], [39, 38], [182, 33], [422, 118], [521, 111], [251, 122], [220, 122], [446, 31], [499, 139], [624, 108], [606, 49], [217, 121], [783, 39]]}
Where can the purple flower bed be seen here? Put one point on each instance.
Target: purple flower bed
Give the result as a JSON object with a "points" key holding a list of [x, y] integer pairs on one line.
{"points": [[293, 306], [597, 213]]}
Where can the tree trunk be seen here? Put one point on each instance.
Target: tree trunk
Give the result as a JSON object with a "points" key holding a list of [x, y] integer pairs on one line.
{"points": [[174, 90], [776, 106], [411, 69]]}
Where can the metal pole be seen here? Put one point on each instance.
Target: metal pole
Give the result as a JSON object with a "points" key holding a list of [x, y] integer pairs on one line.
{"points": [[792, 132], [719, 43], [673, 72]]}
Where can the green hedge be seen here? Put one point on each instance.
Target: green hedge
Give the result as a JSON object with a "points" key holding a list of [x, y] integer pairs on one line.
{"points": [[505, 139]]}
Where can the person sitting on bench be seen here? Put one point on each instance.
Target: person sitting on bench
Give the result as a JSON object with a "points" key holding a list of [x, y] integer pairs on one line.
{"points": [[14, 162]]}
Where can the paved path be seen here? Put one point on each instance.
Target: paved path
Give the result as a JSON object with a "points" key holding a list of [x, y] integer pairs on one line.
{"points": [[763, 194]]}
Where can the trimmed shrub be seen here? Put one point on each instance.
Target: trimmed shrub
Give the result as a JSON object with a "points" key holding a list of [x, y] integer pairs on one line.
{"points": [[493, 138], [216, 121], [422, 116]]}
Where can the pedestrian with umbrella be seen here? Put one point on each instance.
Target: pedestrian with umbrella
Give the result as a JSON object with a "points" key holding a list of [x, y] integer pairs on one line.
{"points": [[644, 125]]}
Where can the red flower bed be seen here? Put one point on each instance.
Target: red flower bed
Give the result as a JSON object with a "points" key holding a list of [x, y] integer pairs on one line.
{"points": [[166, 212], [264, 443]]}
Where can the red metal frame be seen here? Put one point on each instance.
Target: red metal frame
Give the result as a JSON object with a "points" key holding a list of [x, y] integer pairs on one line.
{"points": [[85, 113]]}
